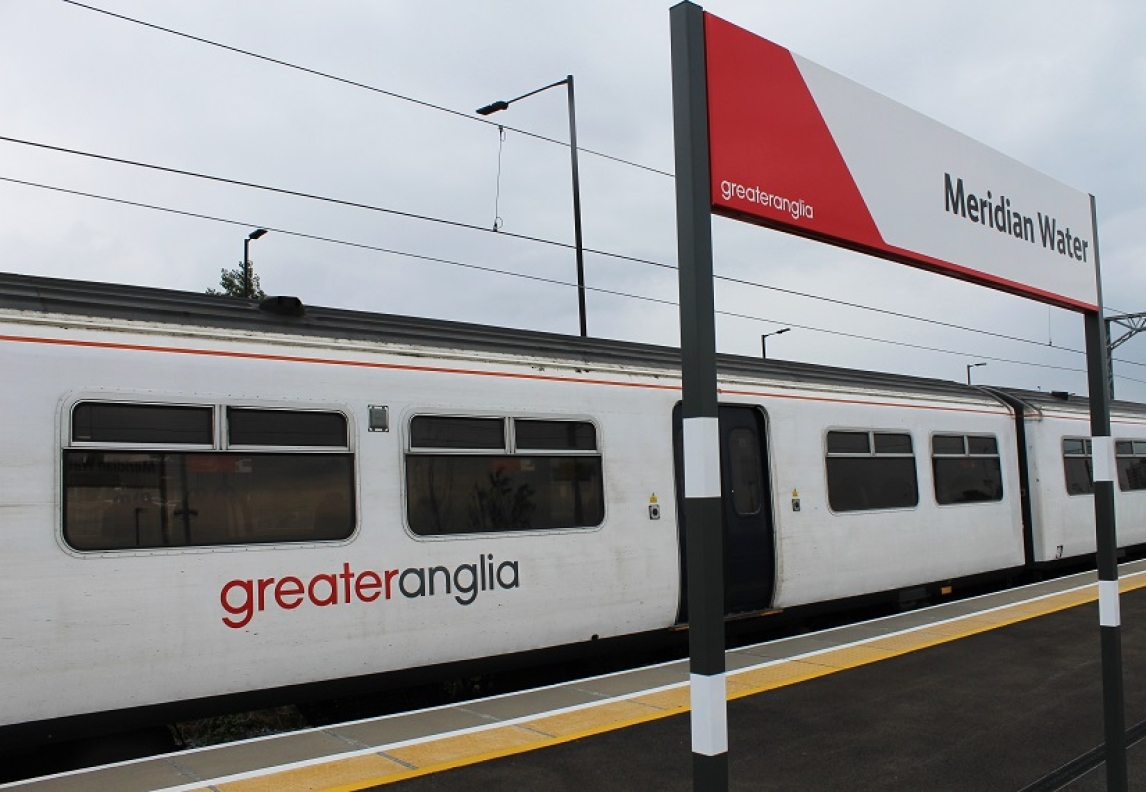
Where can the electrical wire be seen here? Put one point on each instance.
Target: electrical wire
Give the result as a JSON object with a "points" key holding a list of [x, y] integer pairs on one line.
{"points": [[364, 86], [536, 278], [314, 197], [524, 237], [502, 127]]}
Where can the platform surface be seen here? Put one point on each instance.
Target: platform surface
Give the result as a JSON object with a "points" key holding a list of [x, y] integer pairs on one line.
{"points": [[991, 693], [993, 711]]}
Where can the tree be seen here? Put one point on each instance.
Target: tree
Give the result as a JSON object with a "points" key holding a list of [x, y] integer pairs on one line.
{"points": [[231, 281]]}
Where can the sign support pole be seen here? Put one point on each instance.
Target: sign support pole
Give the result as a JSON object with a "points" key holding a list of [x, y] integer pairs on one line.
{"points": [[702, 506], [1103, 460]]}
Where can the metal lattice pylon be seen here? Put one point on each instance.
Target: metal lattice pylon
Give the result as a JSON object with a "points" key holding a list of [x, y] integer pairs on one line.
{"points": [[1134, 324]]}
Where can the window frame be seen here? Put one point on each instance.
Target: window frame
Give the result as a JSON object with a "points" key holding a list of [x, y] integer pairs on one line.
{"points": [[1087, 456], [1134, 454], [509, 449], [871, 453], [218, 446], [966, 454], [224, 433], [69, 441]]}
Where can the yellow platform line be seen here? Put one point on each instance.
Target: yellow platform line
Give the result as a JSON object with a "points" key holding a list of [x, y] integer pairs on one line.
{"points": [[435, 755]]}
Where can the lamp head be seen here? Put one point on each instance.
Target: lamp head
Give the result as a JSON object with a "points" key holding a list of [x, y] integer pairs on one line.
{"points": [[489, 109], [258, 232]]}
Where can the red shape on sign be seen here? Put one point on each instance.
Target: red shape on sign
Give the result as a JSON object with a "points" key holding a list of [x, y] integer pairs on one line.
{"points": [[773, 160]]}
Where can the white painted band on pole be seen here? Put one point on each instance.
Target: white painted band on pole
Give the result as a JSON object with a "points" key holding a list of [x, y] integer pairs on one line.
{"points": [[1103, 456], [1109, 612], [709, 714], [701, 458]]}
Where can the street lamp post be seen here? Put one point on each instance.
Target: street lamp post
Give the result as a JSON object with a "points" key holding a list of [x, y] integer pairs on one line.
{"points": [[504, 104], [258, 232], [971, 366], [764, 341]]}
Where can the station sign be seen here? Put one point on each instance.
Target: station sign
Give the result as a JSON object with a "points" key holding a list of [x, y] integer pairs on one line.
{"points": [[798, 147]]}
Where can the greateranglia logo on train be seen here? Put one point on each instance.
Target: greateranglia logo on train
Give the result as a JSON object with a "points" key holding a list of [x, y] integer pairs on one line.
{"points": [[243, 598]]}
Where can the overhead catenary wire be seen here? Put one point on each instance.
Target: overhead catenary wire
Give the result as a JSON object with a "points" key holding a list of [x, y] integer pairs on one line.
{"points": [[364, 86], [471, 117], [451, 111], [524, 237], [315, 197], [536, 278]]}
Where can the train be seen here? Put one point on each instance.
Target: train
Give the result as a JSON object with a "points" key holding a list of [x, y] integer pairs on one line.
{"points": [[207, 500]]}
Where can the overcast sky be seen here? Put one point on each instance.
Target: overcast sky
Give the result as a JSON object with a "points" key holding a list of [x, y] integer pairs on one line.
{"points": [[1059, 86]]}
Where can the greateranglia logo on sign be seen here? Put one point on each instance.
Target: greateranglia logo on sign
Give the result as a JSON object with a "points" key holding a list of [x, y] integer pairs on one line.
{"points": [[797, 209], [242, 598], [996, 212]]}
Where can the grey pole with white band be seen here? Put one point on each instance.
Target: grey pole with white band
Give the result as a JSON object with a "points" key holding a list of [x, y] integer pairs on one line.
{"points": [[704, 542], [1105, 473]]}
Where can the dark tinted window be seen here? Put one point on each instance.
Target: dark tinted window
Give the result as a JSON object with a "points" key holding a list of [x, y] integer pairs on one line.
{"points": [[966, 469], [1131, 457], [744, 461], [849, 443], [137, 498], [460, 494], [249, 427], [433, 431], [1073, 446], [555, 435], [553, 482], [858, 483], [110, 422], [947, 444], [982, 445], [892, 443], [134, 499], [1131, 473], [1077, 466], [871, 470]]}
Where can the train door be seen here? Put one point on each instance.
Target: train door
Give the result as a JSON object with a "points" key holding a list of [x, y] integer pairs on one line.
{"points": [[749, 549]]}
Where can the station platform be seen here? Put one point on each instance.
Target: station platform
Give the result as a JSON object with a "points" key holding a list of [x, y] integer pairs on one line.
{"points": [[992, 693]]}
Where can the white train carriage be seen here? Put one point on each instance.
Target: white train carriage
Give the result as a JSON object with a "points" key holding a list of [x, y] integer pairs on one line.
{"points": [[876, 483], [204, 498], [1058, 462], [197, 511]]}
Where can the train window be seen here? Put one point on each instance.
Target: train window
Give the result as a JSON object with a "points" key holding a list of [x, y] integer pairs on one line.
{"points": [[129, 499], [160, 424], [966, 469], [435, 431], [949, 444], [982, 445], [1077, 466], [555, 435], [551, 479], [1131, 457], [892, 443], [251, 427], [744, 461], [871, 470], [849, 443]]}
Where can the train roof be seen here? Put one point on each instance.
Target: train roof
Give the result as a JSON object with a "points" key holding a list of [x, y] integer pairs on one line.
{"points": [[282, 315], [1061, 401]]}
